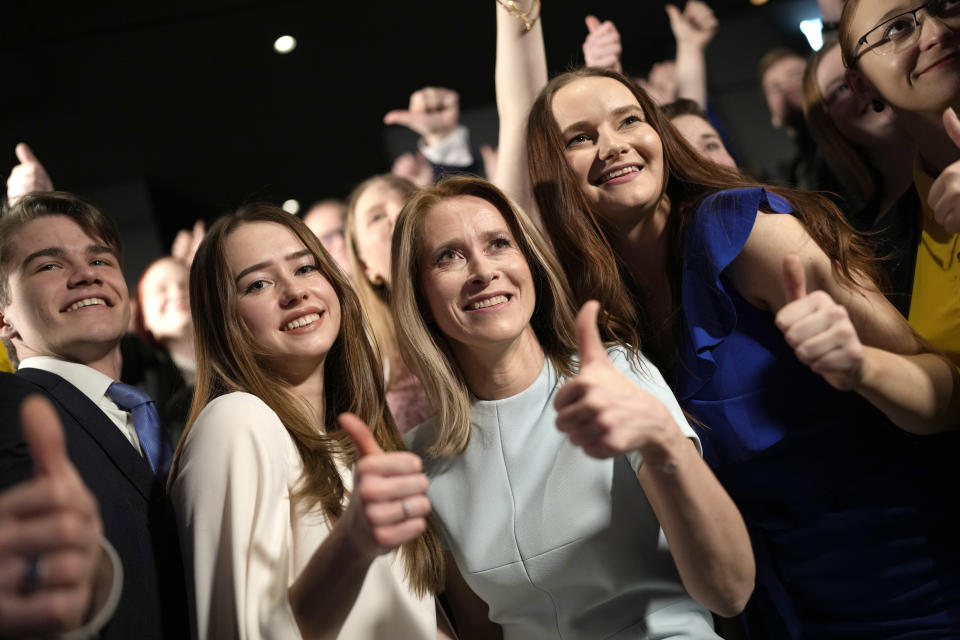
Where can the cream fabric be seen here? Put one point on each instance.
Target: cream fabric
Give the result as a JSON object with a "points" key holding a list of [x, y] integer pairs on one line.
{"points": [[244, 540]]}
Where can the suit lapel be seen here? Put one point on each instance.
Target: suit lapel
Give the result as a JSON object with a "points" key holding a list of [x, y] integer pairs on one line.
{"points": [[98, 426]]}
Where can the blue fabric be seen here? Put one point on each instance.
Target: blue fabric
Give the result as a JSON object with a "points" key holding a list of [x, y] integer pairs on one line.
{"points": [[853, 521], [146, 421]]}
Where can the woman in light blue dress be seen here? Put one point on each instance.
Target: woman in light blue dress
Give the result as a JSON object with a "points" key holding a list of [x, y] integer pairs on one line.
{"points": [[569, 486]]}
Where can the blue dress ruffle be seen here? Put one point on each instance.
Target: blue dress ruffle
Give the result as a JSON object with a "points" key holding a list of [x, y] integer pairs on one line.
{"points": [[853, 520]]}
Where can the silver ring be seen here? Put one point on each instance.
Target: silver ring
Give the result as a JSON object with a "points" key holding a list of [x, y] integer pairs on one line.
{"points": [[33, 576], [406, 509]]}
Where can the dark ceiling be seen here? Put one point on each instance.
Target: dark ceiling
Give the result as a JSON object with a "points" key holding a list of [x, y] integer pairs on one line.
{"points": [[190, 98]]}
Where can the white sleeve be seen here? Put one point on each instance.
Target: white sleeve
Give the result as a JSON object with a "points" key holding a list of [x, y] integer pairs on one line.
{"points": [[233, 512], [649, 378]]}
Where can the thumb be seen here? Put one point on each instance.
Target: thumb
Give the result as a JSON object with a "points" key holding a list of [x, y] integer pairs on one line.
{"points": [[673, 12], [25, 155], [952, 124], [360, 434], [44, 435], [592, 23], [588, 336], [397, 116], [794, 278]]}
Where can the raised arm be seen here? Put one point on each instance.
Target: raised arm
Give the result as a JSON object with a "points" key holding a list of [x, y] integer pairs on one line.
{"points": [[851, 335], [607, 414], [693, 28], [27, 176], [521, 72]]}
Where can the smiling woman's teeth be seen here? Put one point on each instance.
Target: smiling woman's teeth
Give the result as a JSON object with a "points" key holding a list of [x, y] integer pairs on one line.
{"points": [[489, 302], [619, 172], [302, 321], [86, 302]]}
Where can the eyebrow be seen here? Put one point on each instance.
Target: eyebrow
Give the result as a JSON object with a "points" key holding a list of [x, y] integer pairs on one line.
{"points": [[262, 265], [58, 252], [619, 111]]}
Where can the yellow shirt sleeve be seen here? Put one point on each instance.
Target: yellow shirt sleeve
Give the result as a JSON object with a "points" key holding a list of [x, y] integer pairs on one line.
{"points": [[5, 364], [935, 303]]}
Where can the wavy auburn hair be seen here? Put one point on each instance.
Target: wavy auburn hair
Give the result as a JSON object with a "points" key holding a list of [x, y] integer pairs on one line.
{"points": [[581, 237], [425, 349], [848, 163], [228, 361]]}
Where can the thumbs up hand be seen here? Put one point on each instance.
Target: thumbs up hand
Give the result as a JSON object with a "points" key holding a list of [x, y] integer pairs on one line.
{"points": [[602, 47], [389, 504], [600, 409], [944, 196], [819, 330], [434, 113], [50, 534], [27, 176]]}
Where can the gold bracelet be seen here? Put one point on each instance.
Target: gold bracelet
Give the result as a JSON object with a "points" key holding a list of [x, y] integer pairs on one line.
{"points": [[517, 12]]}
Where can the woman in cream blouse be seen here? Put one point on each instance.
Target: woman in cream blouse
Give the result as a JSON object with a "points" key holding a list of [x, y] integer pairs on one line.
{"points": [[283, 537]]}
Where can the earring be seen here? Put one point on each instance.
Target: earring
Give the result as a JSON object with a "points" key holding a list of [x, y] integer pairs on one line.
{"points": [[877, 105]]}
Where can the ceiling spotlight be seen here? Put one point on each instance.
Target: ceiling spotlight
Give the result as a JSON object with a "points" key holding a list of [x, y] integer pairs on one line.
{"points": [[813, 29], [758, 3], [291, 206], [284, 44]]}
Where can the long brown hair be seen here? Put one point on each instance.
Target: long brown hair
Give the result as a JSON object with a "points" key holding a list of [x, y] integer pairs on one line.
{"points": [[848, 163], [228, 361], [375, 297], [580, 236], [424, 347]]}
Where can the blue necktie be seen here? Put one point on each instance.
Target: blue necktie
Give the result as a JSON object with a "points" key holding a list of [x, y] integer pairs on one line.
{"points": [[146, 421]]}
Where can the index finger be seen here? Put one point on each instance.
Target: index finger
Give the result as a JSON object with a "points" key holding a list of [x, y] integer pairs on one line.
{"points": [[360, 434]]}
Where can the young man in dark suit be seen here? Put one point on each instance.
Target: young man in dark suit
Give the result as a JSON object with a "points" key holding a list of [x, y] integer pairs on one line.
{"points": [[64, 306]]}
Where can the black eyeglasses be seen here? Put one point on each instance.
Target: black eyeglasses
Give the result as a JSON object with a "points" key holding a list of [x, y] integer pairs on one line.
{"points": [[902, 31]]}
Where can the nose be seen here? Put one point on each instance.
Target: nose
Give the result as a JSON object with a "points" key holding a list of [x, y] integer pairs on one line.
{"points": [[932, 30], [482, 271], [291, 293], [611, 146], [83, 275]]}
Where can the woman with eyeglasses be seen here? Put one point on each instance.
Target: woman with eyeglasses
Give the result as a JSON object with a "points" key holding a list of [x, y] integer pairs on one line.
{"points": [[872, 158], [907, 55]]}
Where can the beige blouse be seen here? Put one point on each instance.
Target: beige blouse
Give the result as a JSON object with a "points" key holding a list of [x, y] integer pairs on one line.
{"points": [[244, 540]]}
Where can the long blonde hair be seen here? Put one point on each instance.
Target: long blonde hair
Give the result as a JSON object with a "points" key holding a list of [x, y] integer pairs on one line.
{"points": [[228, 361], [425, 349], [375, 297]]}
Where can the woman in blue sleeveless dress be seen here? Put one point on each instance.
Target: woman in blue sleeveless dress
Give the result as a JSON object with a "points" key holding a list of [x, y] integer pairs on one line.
{"points": [[821, 412]]}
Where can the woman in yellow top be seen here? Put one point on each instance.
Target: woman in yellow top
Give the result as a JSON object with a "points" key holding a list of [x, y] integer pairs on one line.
{"points": [[907, 55]]}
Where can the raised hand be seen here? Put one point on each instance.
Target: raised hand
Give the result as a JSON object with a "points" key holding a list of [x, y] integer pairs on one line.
{"points": [[819, 330], [600, 409], [695, 25], [28, 176], [50, 534], [389, 504], [433, 113], [944, 196], [602, 46], [187, 241]]}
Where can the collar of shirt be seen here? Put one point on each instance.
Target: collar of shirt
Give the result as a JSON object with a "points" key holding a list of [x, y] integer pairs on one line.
{"points": [[90, 383]]}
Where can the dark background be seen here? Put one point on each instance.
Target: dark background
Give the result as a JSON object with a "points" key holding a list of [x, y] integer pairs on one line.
{"points": [[168, 112]]}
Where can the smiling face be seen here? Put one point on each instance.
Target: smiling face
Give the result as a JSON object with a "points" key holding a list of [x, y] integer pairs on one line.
{"points": [[474, 276], [283, 299], [923, 77], [165, 299], [704, 138], [616, 155], [68, 298], [377, 209]]}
